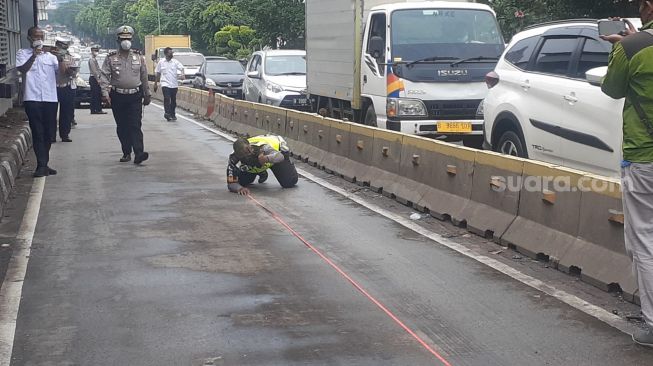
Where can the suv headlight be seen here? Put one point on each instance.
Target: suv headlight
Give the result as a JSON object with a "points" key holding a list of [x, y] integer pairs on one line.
{"points": [[275, 88], [398, 107], [210, 82]]}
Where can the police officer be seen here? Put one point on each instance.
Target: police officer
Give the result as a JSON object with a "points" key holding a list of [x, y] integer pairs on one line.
{"points": [[95, 70], [65, 91], [125, 88], [253, 157]]}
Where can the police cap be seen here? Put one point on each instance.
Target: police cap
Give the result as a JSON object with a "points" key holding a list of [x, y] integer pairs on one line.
{"points": [[95, 47], [125, 32], [62, 40]]}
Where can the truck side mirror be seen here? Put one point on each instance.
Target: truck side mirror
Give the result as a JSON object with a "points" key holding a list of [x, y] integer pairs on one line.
{"points": [[595, 76], [376, 47], [253, 75]]}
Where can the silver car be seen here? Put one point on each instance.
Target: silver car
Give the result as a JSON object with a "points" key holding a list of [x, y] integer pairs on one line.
{"points": [[278, 78]]}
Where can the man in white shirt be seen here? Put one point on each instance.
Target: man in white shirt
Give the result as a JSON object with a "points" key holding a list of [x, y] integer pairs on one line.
{"points": [[40, 70], [166, 73]]}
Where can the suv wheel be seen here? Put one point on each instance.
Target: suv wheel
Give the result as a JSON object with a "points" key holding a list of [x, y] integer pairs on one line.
{"points": [[370, 117], [511, 144]]}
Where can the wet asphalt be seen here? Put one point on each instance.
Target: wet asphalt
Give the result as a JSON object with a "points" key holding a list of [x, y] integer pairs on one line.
{"points": [[160, 265]]}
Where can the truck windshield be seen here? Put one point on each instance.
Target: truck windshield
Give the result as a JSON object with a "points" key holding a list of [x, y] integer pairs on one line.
{"points": [[285, 65], [430, 36], [190, 60]]}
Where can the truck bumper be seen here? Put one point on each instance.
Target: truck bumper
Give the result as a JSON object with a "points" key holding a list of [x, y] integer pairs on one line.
{"points": [[432, 127]]}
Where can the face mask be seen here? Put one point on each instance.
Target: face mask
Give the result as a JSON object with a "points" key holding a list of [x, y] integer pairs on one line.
{"points": [[37, 44], [126, 45]]}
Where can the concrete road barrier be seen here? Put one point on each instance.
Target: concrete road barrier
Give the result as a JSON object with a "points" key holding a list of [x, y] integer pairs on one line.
{"points": [[493, 205], [507, 199]]}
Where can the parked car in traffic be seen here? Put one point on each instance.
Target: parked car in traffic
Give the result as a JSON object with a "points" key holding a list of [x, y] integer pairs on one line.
{"points": [[542, 106], [222, 75], [192, 62], [278, 78]]}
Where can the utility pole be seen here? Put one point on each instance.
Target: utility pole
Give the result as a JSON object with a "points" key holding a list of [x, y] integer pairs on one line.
{"points": [[158, 14]]}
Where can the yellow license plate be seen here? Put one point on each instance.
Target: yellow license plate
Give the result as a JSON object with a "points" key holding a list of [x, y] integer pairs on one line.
{"points": [[455, 127]]}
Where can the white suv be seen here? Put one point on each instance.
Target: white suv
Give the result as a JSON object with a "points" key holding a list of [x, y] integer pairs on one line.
{"points": [[278, 78], [542, 106]]}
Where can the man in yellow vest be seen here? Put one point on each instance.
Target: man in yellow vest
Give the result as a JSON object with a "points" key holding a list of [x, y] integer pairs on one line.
{"points": [[253, 157]]}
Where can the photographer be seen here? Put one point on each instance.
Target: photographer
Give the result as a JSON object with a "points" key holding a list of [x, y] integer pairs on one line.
{"points": [[630, 76]]}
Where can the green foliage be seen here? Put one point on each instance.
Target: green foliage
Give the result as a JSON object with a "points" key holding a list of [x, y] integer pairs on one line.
{"points": [[547, 10], [235, 42]]}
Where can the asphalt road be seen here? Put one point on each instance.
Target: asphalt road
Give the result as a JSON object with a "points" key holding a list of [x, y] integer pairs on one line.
{"points": [[160, 265]]}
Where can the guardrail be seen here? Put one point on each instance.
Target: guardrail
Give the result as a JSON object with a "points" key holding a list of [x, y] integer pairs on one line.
{"points": [[570, 218]]}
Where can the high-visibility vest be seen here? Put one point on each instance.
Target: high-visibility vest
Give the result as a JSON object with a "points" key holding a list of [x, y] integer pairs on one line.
{"points": [[277, 143]]}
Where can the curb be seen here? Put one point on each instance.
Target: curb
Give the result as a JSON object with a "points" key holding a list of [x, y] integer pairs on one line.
{"points": [[11, 163]]}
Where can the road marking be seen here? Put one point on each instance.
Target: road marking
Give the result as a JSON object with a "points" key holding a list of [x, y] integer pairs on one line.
{"points": [[12, 287], [574, 301]]}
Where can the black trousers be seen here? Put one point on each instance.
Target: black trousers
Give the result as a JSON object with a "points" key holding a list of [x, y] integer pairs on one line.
{"points": [[66, 98], [285, 172], [96, 95], [128, 113], [169, 101], [43, 122]]}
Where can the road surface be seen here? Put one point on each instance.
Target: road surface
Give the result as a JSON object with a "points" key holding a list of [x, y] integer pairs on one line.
{"points": [[160, 265]]}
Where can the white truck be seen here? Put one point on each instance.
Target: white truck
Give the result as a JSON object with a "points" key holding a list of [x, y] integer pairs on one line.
{"points": [[414, 67]]}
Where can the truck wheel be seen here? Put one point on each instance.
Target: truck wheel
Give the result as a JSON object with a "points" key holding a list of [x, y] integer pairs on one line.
{"points": [[475, 142], [370, 117], [511, 144]]}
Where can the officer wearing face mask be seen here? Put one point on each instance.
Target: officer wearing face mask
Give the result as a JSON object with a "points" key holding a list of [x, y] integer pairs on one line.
{"points": [[125, 88], [65, 91]]}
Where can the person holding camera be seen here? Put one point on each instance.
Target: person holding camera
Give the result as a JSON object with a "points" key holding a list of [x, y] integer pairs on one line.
{"points": [[630, 76]]}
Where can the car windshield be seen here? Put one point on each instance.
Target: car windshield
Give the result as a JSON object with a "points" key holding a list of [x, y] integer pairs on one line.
{"points": [[190, 60], [455, 33], [224, 67], [285, 65]]}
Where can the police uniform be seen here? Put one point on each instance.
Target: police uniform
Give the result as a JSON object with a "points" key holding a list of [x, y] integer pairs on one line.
{"points": [[124, 80], [242, 172], [65, 94], [94, 80]]}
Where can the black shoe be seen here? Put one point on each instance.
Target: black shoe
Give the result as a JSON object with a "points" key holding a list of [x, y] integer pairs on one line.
{"points": [[51, 171], [41, 172], [174, 118], [125, 158], [167, 117], [66, 139], [141, 158], [262, 177]]}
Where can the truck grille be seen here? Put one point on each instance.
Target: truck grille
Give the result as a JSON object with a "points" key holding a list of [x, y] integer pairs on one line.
{"points": [[453, 109]]}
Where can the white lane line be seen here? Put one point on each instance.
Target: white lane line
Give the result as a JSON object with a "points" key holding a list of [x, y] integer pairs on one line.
{"points": [[12, 287], [569, 299]]}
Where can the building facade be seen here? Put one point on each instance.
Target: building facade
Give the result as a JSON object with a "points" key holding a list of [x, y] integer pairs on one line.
{"points": [[16, 16]]}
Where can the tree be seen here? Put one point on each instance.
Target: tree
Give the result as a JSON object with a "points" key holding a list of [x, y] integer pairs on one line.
{"points": [[279, 23], [236, 42]]}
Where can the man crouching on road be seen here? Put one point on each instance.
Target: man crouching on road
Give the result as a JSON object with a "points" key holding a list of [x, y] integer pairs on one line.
{"points": [[255, 156], [630, 76]]}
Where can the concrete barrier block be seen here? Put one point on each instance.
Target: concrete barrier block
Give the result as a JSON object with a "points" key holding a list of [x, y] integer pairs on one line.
{"points": [[496, 191], [549, 212], [446, 170], [337, 161], [361, 150], [599, 252], [386, 158], [311, 137]]}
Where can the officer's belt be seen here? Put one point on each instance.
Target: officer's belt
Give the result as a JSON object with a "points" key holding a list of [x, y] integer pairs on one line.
{"points": [[63, 85], [125, 91]]}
